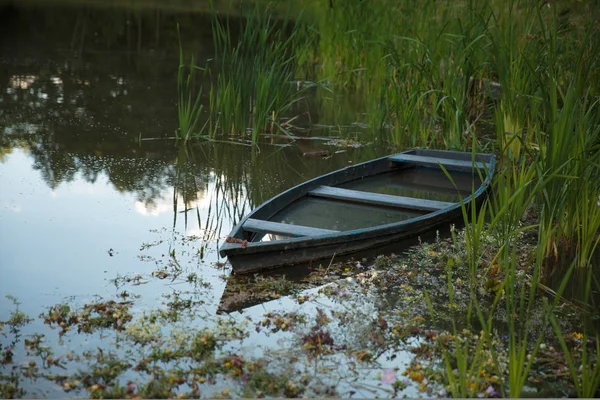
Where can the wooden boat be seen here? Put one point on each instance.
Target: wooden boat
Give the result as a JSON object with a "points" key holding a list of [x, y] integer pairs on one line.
{"points": [[359, 207]]}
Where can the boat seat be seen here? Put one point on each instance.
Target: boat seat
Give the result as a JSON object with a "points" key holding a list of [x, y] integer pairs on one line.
{"points": [[261, 226], [378, 199], [448, 163]]}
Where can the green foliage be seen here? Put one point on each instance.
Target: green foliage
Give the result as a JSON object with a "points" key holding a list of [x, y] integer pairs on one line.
{"points": [[254, 73], [189, 106], [17, 320], [585, 372]]}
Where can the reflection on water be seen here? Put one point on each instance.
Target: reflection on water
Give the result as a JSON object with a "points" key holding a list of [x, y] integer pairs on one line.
{"points": [[95, 198], [88, 172]]}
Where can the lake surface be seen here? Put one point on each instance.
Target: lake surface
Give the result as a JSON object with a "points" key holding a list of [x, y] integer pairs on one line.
{"points": [[97, 201], [88, 104]]}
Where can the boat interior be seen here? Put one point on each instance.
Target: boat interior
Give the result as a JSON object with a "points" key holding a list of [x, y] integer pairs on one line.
{"points": [[412, 186]]}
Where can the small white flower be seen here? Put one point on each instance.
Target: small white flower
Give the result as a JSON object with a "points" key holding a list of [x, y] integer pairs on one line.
{"points": [[598, 200]]}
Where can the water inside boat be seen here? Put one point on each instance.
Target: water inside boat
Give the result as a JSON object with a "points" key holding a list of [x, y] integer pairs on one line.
{"points": [[338, 215], [418, 182]]}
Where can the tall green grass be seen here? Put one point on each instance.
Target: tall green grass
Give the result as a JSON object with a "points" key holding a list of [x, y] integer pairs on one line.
{"points": [[568, 136], [427, 72], [254, 73], [413, 61], [433, 74], [547, 134], [189, 105]]}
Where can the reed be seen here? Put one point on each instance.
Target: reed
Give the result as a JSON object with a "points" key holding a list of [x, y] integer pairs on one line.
{"points": [[585, 372], [570, 146], [462, 365], [426, 83], [413, 61], [254, 73], [348, 34], [547, 110], [513, 50], [189, 105]]}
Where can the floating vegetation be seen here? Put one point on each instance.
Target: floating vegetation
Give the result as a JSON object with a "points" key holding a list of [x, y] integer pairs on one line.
{"points": [[90, 317], [346, 143], [367, 331]]}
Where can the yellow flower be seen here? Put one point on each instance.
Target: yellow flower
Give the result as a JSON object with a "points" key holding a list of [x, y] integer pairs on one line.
{"points": [[576, 335], [416, 376]]}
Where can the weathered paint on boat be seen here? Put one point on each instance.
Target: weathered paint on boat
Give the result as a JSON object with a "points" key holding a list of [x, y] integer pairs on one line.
{"points": [[247, 253]]}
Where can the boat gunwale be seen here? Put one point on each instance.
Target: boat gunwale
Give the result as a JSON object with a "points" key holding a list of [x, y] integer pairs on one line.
{"points": [[235, 249]]}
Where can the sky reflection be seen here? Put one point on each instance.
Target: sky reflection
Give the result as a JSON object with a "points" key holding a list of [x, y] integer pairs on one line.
{"points": [[56, 242]]}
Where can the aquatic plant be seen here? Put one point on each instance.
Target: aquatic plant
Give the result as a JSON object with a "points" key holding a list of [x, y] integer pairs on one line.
{"points": [[189, 105], [585, 371], [569, 147], [521, 66], [254, 74]]}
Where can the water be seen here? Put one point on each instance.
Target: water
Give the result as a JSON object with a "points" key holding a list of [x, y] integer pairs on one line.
{"points": [[97, 201], [83, 90]]}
